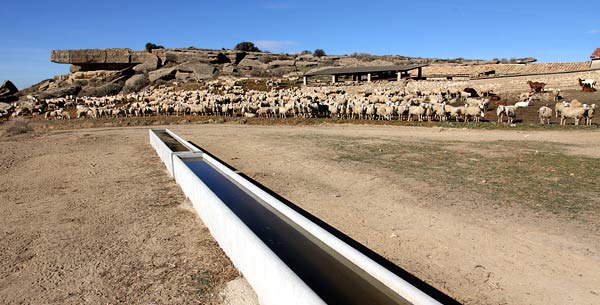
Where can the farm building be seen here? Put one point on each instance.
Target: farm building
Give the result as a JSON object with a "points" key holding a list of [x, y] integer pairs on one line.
{"points": [[370, 73], [595, 59]]}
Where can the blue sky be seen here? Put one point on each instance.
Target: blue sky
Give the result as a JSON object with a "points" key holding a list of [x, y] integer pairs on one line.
{"points": [[548, 30]]}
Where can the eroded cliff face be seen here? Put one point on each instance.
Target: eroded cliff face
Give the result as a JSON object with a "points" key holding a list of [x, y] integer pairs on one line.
{"points": [[100, 59], [225, 62], [104, 71], [126, 70]]}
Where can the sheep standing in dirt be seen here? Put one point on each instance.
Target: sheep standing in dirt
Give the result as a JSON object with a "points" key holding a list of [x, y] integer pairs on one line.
{"points": [[81, 111], [558, 107], [263, 112], [51, 115], [473, 112], [358, 111], [371, 111], [65, 115], [439, 110], [556, 94], [511, 113], [454, 112], [575, 113], [545, 113], [500, 112], [419, 111], [589, 115]]}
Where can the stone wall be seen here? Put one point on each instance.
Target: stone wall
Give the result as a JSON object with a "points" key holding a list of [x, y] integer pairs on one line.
{"points": [[561, 81]]}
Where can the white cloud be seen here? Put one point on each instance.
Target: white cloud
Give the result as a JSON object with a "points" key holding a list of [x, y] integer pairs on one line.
{"points": [[593, 32], [274, 45]]}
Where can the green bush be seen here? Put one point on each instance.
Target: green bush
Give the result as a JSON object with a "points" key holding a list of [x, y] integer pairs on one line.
{"points": [[319, 53], [246, 46], [150, 46]]}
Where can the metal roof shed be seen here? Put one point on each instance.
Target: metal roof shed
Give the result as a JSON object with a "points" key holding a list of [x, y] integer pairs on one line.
{"points": [[358, 72]]}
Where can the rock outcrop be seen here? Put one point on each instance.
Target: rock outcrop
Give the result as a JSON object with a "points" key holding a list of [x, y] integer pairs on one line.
{"points": [[135, 83], [8, 92], [61, 92], [102, 71], [100, 59]]}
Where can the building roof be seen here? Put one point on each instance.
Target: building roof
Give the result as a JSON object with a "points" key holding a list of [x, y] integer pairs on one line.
{"points": [[365, 69], [596, 54]]}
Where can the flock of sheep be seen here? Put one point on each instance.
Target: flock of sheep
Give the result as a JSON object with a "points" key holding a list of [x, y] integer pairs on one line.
{"points": [[379, 101]]}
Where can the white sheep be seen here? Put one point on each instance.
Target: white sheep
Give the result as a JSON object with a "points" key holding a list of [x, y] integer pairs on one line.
{"points": [[558, 107], [419, 111], [439, 110], [263, 112], [474, 112], [525, 104], [403, 111], [454, 112], [51, 114], [334, 109], [575, 113], [587, 82], [545, 113], [511, 113], [371, 111], [525, 96], [63, 114], [500, 113]]}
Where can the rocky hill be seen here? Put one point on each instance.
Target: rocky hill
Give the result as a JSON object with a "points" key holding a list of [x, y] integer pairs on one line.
{"points": [[97, 72], [110, 71]]}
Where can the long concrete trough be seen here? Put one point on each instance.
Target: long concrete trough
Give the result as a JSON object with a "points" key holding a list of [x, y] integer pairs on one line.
{"points": [[286, 257]]}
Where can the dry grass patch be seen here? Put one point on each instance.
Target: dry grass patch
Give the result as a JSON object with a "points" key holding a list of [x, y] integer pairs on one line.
{"points": [[531, 175], [16, 126]]}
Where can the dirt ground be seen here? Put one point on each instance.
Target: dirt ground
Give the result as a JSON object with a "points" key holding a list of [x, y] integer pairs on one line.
{"points": [[90, 216], [477, 246]]}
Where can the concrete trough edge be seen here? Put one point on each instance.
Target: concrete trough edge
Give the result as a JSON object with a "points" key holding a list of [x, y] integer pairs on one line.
{"points": [[272, 280]]}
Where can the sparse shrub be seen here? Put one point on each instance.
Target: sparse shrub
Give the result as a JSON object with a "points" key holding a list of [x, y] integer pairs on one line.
{"points": [[150, 46], [458, 60], [17, 126], [266, 59], [305, 52], [81, 82], [319, 53], [363, 56], [246, 46]]}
